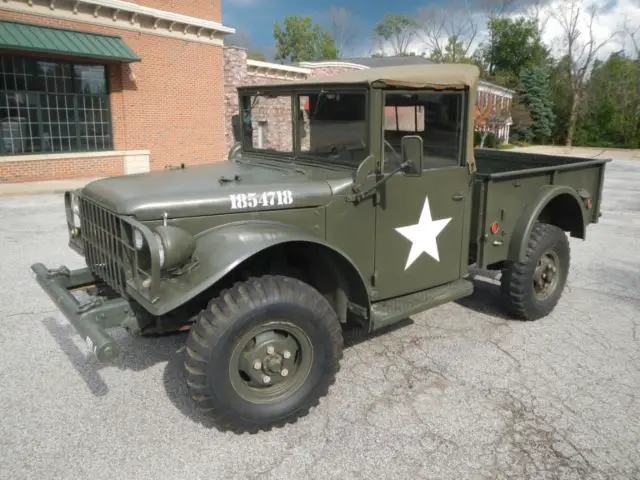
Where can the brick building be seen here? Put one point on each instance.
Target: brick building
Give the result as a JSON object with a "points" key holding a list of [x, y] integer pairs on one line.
{"points": [[92, 88]]}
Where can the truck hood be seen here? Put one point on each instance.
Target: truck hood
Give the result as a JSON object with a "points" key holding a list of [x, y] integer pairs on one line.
{"points": [[212, 189]]}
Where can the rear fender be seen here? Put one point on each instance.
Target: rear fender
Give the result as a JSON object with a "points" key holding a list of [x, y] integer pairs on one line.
{"points": [[222, 249], [531, 214]]}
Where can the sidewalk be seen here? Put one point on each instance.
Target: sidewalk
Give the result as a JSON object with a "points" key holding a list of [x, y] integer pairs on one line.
{"points": [[38, 188]]}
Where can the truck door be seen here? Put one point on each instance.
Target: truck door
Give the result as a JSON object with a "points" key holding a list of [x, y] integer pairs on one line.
{"points": [[420, 221]]}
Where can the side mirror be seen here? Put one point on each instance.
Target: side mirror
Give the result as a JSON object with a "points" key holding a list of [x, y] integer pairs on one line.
{"points": [[412, 151], [236, 125]]}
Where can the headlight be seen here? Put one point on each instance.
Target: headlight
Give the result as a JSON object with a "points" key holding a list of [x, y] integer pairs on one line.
{"points": [[138, 239], [75, 210], [176, 245], [160, 248]]}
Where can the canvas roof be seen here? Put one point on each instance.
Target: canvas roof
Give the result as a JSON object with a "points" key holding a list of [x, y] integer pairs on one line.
{"points": [[436, 75]]}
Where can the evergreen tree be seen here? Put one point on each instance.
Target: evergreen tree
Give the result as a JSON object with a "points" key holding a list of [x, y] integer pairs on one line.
{"points": [[535, 92]]}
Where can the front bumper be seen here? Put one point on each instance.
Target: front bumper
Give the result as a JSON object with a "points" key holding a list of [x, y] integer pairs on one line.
{"points": [[90, 318]]}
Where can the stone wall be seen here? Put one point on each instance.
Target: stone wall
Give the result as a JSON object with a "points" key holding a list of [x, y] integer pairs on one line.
{"points": [[235, 74]]}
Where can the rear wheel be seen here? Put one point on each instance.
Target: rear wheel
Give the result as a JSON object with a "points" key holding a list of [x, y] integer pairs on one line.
{"points": [[263, 353], [531, 289]]}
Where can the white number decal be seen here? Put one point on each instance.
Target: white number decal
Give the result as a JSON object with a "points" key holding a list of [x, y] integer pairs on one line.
{"points": [[264, 199]]}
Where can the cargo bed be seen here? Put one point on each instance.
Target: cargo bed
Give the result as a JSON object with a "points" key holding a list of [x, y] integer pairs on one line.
{"points": [[507, 183], [504, 164]]}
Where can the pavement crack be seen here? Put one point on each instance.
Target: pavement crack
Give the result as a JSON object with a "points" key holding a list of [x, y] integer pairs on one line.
{"points": [[21, 314]]}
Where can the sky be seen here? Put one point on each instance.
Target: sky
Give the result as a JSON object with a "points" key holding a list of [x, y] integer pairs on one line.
{"points": [[254, 19]]}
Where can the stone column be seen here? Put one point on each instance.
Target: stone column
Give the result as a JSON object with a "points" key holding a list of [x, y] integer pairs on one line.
{"points": [[235, 74]]}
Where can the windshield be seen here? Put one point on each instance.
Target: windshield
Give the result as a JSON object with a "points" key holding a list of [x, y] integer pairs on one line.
{"points": [[331, 125]]}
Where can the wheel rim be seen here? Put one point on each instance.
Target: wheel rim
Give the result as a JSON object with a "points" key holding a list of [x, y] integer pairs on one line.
{"points": [[546, 275], [270, 362]]}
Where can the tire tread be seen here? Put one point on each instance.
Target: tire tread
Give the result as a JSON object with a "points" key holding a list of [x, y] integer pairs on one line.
{"points": [[218, 317], [516, 281]]}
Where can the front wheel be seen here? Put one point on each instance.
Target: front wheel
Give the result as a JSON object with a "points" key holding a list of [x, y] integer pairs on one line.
{"points": [[263, 353], [531, 289]]}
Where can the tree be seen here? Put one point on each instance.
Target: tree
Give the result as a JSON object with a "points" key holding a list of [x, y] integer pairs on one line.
{"points": [[398, 30], [448, 32], [610, 104], [513, 44], [580, 55], [453, 52], [633, 35], [561, 94], [535, 93], [301, 41], [343, 29]]}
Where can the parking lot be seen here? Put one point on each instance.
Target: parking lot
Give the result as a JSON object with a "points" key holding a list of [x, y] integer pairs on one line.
{"points": [[460, 392]]}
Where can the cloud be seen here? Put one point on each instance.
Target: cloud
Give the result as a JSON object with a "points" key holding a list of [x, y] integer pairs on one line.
{"points": [[607, 26]]}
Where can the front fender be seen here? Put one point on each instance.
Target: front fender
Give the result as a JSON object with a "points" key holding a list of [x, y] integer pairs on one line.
{"points": [[221, 249], [531, 213]]}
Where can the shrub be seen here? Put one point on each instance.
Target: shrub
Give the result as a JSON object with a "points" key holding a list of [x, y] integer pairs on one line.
{"points": [[490, 140]]}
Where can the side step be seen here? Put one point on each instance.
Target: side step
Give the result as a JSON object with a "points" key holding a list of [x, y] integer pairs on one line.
{"points": [[391, 311]]}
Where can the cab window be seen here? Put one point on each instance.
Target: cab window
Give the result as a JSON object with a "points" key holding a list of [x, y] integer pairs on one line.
{"points": [[435, 116]]}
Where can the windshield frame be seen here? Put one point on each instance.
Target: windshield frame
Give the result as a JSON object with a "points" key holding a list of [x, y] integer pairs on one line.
{"points": [[294, 92]]}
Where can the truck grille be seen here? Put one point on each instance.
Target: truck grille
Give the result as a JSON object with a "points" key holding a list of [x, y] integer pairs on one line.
{"points": [[108, 252]]}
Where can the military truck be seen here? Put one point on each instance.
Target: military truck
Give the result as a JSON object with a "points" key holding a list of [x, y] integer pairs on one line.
{"points": [[348, 203]]}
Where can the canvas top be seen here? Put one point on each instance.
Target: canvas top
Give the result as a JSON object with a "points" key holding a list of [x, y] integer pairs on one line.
{"points": [[437, 75]]}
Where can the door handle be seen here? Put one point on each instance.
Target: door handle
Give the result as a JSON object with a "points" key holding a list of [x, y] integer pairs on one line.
{"points": [[458, 196]]}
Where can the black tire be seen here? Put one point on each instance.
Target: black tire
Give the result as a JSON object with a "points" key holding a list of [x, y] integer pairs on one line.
{"points": [[215, 381], [352, 333], [519, 290]]}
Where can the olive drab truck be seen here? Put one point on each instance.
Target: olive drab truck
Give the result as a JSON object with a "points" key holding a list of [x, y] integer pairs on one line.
{"points": [[369, 205]]}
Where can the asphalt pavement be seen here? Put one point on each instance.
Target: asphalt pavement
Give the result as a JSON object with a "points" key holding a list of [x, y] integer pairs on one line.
{"points": [[460, 392]]}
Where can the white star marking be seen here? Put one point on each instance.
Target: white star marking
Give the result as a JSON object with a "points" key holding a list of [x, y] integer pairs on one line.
{"points": [[423, 235]]}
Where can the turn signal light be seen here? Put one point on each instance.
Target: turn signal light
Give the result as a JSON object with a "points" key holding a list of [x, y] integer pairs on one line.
{"points": [[495, 226], [589, 204]]}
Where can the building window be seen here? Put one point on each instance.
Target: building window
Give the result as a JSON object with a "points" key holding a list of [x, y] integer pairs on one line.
{"points": [[53, 106]]}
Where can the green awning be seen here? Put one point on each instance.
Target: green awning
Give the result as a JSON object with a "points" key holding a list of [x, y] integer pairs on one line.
{"points": [[61, 41]]}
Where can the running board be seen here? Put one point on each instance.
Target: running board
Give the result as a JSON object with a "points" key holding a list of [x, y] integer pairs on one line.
{"points": [[391, 311]]}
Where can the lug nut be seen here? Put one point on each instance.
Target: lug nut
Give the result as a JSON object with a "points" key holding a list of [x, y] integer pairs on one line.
{"points": [[284, 372], [257, 365], [286, 354], [270, 350], [266, 379]]}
